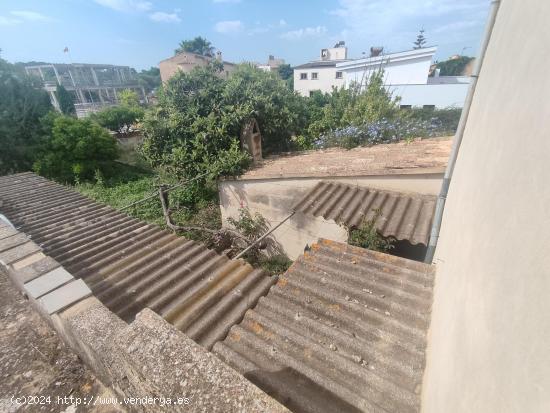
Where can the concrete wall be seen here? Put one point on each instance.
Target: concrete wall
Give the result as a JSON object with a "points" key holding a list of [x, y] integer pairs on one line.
{"points": [[274, 198], [488, 348]]}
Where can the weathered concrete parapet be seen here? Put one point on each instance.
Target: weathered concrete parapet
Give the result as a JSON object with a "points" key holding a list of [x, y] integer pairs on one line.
{"points": [[150, 358], [49, 287], [145, 359], [177, 366]]}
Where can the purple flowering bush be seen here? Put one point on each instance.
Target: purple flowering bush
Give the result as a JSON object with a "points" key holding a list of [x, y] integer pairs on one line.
{"points": [[382, 131]]}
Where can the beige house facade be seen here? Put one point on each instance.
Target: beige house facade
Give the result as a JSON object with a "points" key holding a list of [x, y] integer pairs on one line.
{"points": [[186, 61]]}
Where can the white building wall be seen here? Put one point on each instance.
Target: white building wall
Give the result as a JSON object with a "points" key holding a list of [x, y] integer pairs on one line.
{"points": [[414, 71], [489, 339], [441, 96], [325, 82]]}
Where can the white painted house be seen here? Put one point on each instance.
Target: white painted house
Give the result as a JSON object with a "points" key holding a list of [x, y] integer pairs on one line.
{"points": [[321, 74], [406, 74]]}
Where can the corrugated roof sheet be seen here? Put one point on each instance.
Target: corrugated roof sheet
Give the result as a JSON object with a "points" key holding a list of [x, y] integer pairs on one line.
{"points": [[130, 265], [344, 330], [398, 215]]}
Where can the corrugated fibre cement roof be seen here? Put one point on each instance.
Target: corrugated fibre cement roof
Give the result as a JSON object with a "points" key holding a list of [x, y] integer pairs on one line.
{"points": [[343, 330], [129, 264], [403, 216]]}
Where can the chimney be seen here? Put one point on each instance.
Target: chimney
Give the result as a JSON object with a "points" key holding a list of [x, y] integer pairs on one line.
{"points": [[376, 51], [251, 139]]}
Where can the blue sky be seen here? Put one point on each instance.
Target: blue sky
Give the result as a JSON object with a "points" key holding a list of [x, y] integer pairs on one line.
{"points": [[140, 33]]}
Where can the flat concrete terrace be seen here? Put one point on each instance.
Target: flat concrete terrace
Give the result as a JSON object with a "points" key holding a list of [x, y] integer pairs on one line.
{"points": [[130, 265], [343, 330], [419, 156]]}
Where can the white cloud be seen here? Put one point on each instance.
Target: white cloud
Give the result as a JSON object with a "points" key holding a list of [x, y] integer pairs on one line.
{"points": [[229, 26], [263, 28], [304, 32], [126, 5], [227, 1], [395, 23], [21, 16], [29, 15], [163, 17], [9, 21]]}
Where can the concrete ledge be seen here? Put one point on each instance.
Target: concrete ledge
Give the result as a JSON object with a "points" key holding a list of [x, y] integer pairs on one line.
{"points": [[176, 365], [148, 358]]}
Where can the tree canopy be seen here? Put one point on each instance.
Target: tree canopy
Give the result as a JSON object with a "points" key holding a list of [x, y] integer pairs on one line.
{"points": [[118, 119], [198, 45], [196, 125], [454, 67], [65, 100], [22, 104], [74, 148], [149, 79], [420, 40]]}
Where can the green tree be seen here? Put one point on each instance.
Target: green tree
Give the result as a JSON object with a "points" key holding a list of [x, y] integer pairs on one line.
{"points": [[287, 74], [355, 106], [420, 40], [118, 119], [285, 71], [22, 103], [74, 149], [280, 112], [128, 97], [190, 131], [454, 67], [65, 100], [149, 79], [198, 45]]}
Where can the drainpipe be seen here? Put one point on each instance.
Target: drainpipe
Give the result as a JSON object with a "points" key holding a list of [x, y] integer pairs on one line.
{"points": [[440, 205]]}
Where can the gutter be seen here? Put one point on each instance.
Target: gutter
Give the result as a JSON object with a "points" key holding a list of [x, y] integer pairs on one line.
{"points": [[440, 205]]}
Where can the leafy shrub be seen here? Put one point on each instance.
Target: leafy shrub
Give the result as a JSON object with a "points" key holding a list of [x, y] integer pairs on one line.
{"points": [[277, 264], [74, 149], [366, 236], [118, 118], [250, 226], [22, 104], [128, 97], [382, 131], [454, 67], [196, 125], [446, 118], [280, 112], [65, 100], [354, 106]]}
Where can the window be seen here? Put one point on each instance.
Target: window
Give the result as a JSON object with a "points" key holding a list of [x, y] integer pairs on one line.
{"points": [[314, 76], [303, 76], [431, 107], [339, 75], [406, 106]]}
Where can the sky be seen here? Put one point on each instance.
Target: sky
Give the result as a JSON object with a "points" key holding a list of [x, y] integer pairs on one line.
{"points": [[140, 33]]}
